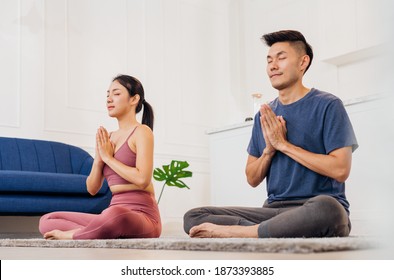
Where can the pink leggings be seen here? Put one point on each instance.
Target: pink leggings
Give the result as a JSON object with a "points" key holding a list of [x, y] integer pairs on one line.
{"points": [[132, 214]]}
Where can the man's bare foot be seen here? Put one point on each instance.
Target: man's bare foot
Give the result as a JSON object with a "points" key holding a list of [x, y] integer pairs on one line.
{"points": [[208, 230], [59, 234]]}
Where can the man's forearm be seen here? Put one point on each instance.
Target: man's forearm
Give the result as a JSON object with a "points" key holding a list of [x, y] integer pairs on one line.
{"points": [[257, 168], [335, 165]]}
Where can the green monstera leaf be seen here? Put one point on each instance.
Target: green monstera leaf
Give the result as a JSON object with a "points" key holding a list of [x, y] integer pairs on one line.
{"points": [[171, 175]]}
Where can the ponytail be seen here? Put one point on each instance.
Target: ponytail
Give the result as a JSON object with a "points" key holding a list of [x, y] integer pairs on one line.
{"points": [[148, 116]]}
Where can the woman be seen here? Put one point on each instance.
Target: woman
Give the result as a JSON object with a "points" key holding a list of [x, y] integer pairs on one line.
{"points": [[133, 211]]}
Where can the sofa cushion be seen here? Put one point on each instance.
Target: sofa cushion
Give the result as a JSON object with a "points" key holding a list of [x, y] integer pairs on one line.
{"points": [[43, 182]]}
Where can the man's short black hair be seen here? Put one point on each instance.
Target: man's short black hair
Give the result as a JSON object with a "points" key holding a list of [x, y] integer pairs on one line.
{"points": [[292, 36]]}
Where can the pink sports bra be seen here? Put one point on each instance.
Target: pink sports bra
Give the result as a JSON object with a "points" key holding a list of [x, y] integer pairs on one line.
{"points": [[125, 155]]}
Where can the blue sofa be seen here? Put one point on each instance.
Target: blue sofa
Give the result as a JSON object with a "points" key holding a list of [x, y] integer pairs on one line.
{"points": [[37, 177]]}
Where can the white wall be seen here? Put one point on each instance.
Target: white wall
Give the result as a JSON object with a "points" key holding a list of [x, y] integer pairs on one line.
{"points": [[199, 61], [59, 56]]}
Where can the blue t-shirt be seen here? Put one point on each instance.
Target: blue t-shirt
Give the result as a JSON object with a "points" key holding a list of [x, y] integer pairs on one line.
{"points": [[317, 123]]}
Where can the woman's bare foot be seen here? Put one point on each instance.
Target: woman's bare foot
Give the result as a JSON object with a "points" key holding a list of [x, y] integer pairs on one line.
{"points": [[208, 230], [59, 234]]}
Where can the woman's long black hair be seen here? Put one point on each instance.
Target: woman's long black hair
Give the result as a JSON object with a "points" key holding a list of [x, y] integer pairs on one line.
{"points": [[134, 87]]}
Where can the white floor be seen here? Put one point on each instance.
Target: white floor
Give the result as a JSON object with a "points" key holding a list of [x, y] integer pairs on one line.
{"points": [[21, 253]]}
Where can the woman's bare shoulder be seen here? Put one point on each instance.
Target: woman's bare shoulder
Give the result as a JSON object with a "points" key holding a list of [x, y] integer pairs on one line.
{"points": [[143, 134], [144, 130]]}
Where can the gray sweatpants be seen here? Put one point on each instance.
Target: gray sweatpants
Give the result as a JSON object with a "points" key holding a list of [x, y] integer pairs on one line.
{"points": [[320, 216]]}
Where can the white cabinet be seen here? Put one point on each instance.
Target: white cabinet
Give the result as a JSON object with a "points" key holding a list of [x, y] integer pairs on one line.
{"points": [[369, 188], [228, 155]]}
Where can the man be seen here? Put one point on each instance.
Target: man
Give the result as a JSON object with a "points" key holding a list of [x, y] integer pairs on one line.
{"points": [[302, 144]]}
